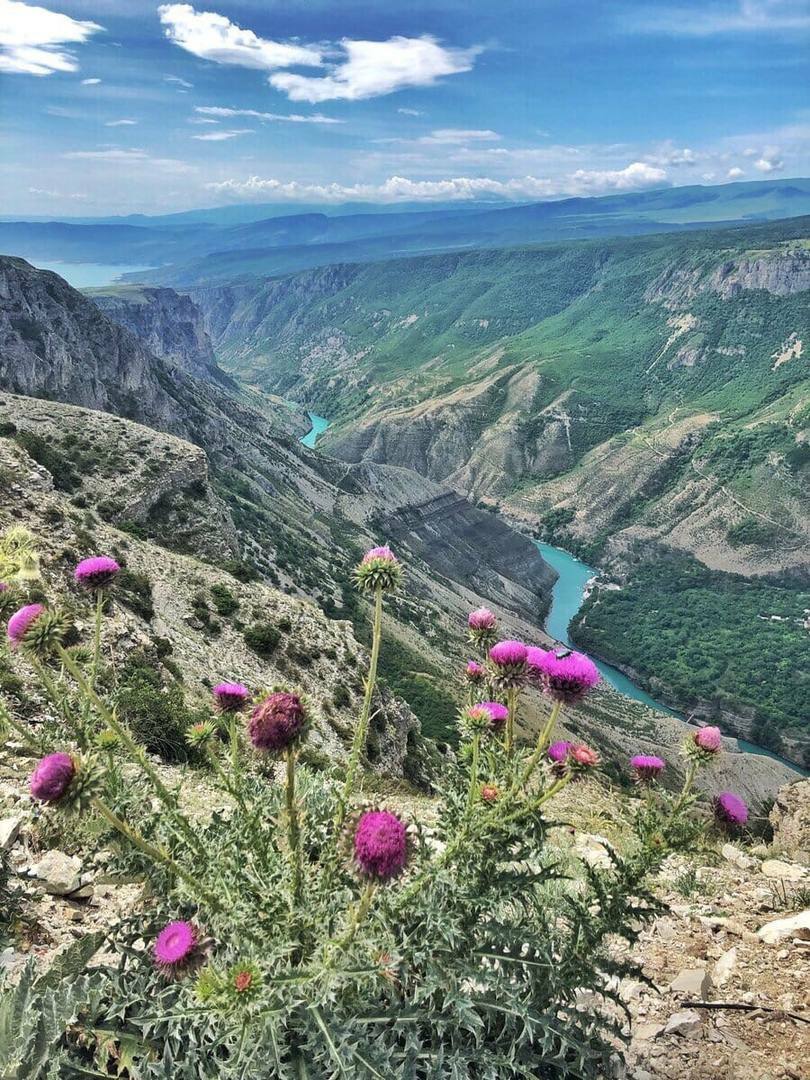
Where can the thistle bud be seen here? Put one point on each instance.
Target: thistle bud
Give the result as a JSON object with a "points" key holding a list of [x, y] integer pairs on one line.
{"points": [[378, 569]]}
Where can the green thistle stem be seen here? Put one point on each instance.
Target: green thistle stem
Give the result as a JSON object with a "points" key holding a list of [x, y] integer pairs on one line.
{"points": [[97, 636], [57, 700], [472, 794], [294, 829], [359, 913], [543, 740], [361, 731], [689, 779], [137, 752], [511, 704], [156, 854]]}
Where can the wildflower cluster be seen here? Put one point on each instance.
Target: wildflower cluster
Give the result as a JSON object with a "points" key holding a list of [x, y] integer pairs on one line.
{"points": [[305, 933]]}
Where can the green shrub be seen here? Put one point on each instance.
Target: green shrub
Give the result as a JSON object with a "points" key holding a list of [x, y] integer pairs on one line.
{"points": [[135, 590], [224, 600], [156, 714], [262, 638]]}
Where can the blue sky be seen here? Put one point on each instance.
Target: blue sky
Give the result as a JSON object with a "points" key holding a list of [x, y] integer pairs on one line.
{"points": [[119, 106]]}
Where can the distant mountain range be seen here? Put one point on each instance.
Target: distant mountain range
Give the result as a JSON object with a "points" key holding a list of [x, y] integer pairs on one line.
{"points": [[232, 243]]}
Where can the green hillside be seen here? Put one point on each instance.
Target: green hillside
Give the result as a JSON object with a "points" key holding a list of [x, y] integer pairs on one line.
{"points": [[624, 399]]}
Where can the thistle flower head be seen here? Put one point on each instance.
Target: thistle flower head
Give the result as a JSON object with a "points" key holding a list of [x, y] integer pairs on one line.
{"points": [[174, 946], [378, 569], [277, 722], [51, 779], [507, 665], [489, 793], [582, 756], [708, 739], [646, 767], [200, 734], [230, 696], [3, 586], [21, 622], [481, 619], [730, 809], [498, 713], [244, 980], [482, 627], [35, 628], [565, 676], [97, 572], [558, 751], [380, 845], [474, 671]]}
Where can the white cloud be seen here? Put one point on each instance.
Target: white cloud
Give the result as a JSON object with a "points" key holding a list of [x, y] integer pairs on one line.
{"points": [[136, 158], [729, 17], [47, 194], [410, 112], [373, 68], [460, 136], [673, 155], [290, 118], [768, 164], [178, 82], [90, 82], [221, 136], [120, 123], [735, 173], [213, 37], [32, 39], [399, 188]]}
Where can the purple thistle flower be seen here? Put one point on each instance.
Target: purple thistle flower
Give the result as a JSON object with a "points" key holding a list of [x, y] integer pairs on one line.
{"points": [[481, 619], [474, 671], [647, 767], [584, 756], [534, 661], [498, 714], [230, 696], [558, 751], [384, 552], [730, 809], [708, 739], [174, 944], [3, 586], [277, 722], [21, 622], [508, 654], [97, 572], [380, 845], [566, 677], [51, 779]]}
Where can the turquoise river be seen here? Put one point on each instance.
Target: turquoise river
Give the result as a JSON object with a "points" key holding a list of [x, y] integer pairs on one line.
{"points": [[566, 599]]}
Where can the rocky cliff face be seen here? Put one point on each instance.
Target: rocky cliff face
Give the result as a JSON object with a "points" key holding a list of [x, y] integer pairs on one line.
{"points": [[169, 324]]}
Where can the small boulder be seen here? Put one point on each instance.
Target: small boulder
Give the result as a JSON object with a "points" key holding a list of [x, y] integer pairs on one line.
{"points": [[733, 855], [687, 1023], [593, 850], [692, 982], [724, 967], [647, 1032], [59, 873], [783, 871], [790, 817], [795, 926], [9, 831]]}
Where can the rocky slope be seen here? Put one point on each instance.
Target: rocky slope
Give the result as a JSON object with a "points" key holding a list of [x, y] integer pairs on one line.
{"points": [[167, 323]]}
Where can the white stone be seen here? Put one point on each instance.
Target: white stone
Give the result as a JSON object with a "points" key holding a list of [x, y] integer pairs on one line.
{"points": [[692, 982], [59, 873], [724, 967], [687, 1022], [794, 926], [647, 1032], [593, 850], [737, 857], [783, 871], [9, 831]]}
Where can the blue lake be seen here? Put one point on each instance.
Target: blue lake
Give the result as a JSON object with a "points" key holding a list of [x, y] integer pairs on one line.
{"points": [[566, 600], [88, 275], [319, 426]]}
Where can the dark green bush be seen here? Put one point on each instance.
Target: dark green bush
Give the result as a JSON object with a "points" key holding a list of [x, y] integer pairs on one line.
{"points": [[262, 638], [224, 600]]}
